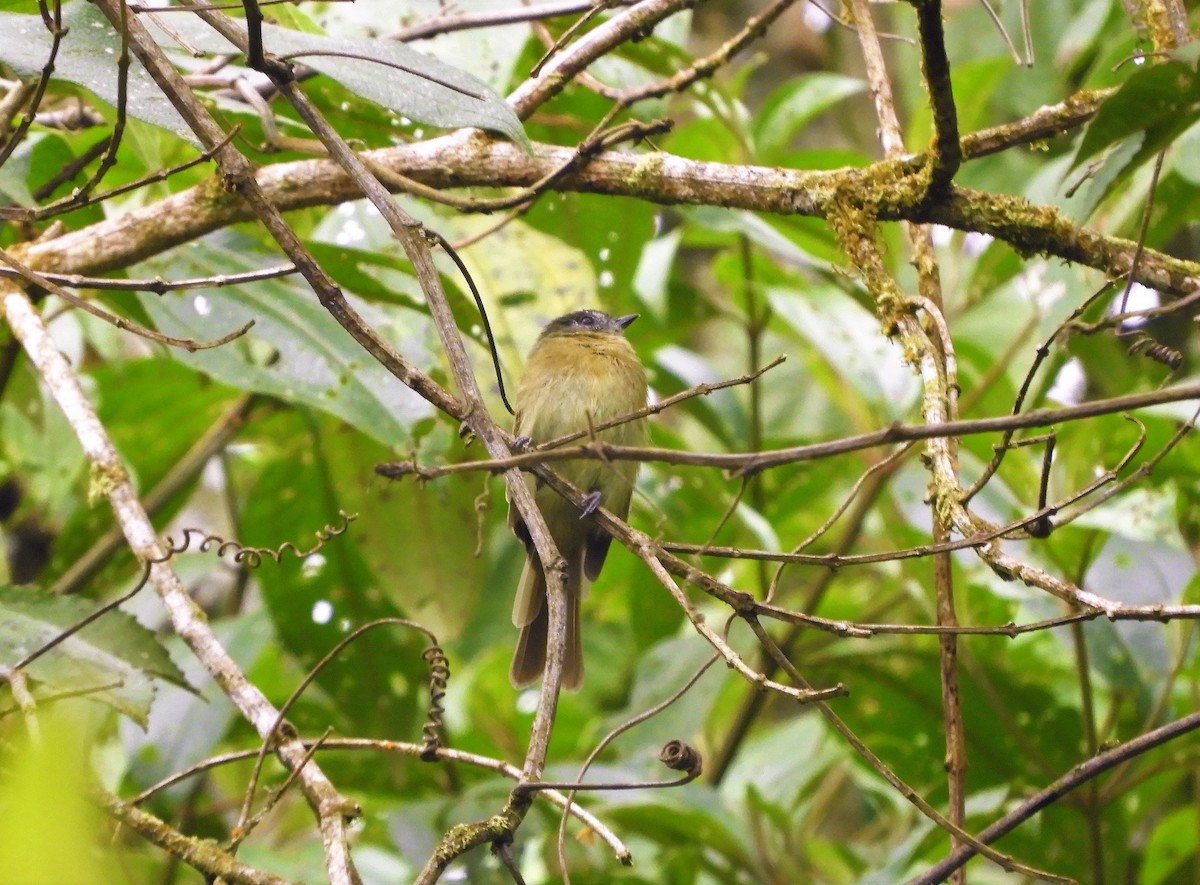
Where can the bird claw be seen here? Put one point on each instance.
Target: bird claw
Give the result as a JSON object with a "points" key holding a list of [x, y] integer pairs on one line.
{"points": [[521, 443], [590, 502]]}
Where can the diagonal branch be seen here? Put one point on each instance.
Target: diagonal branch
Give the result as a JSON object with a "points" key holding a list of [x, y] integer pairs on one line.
{"points": [[190, 624]]}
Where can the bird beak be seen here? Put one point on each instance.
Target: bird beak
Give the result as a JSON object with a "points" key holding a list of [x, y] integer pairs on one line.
{"points": [[626, 321]]}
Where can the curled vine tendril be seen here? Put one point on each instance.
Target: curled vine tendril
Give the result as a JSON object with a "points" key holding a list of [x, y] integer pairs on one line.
{"points": [[252, 557], [675, 754], [439, 676], [679, 756], [1157, 351]]}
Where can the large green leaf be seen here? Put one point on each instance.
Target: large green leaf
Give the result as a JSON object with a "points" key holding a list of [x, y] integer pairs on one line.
{"points": [[797, 103], [113, 659], [488, 53], [1150, 110], [403, 79], [848, 336], [526, 278], [87, 58], [1163, 98], [376, 685], [1170, 847], [390, 74], [296, 350]]}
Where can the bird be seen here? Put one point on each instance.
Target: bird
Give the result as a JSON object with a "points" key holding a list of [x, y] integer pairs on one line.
{"points": [[580, 372]]}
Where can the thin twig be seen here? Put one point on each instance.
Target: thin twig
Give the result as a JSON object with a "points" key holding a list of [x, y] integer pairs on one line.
{"points": [[1080, 774], [187, 344], [740, 463]]}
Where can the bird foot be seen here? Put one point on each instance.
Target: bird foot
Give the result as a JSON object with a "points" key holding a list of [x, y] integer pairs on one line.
{"points": [[590, 502]]}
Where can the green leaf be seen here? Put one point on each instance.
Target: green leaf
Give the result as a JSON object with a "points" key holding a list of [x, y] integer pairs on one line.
{"points": [[114, 659], [87, 58], [1157, 103], [296, 350], [423, 551], [376, 683], [1185, 159], [400, 78], [45, 454], [848, 337], [610, 234], [185, 405], [691, 814], [390, 74], [654, 271], [791, 107], [189, 725], [974, 83], [1172, 842], [526, 279], [759, 231], [15, 183], [370, 274], [490, 54]]}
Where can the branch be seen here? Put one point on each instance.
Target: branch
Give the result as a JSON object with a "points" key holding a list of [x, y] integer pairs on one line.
{"points": [[946, 151], [470, 158], [189, 622], [742, 463], [445, 754], [187, 344], [464, 21], [633, 23], [1080, 774], [202, 854]]}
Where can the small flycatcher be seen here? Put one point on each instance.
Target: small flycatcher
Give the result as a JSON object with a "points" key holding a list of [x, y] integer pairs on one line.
{"points": [[581, 372]]}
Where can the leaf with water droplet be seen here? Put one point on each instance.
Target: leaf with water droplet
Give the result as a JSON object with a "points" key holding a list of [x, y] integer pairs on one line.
{"points": [[85, 58]]}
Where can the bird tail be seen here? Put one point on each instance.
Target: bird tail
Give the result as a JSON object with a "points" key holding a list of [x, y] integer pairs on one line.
{"points": [[532, 615]]}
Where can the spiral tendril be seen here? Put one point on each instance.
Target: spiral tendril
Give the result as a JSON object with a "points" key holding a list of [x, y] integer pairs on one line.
{"points": [[1157, 351], [252, 557], [439, 676]]}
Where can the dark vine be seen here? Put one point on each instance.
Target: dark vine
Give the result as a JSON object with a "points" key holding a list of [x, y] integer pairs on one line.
{"points": [[439, 676], [252, 557], [1157, 351]]}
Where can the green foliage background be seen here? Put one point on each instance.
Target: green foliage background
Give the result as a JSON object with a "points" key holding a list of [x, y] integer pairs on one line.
{"points": [[720, 291]]}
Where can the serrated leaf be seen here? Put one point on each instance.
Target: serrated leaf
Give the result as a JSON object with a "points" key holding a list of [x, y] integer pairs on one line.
{"points": [[114, 658], [87, 58]]}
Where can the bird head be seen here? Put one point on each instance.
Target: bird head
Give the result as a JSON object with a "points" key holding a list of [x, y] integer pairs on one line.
{"points": [[595, 321]]}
